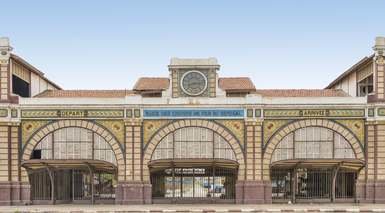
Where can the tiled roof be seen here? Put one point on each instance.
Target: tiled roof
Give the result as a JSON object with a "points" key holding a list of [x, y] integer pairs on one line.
{"points": [[84, 93], [301, 92], [153, 84], [236, 84]]}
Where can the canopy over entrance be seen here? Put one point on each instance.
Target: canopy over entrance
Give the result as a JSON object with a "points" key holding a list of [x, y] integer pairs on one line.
{"points": [[96, 165], [190, 163], [349, 164], [315, 180], [71, 181]]}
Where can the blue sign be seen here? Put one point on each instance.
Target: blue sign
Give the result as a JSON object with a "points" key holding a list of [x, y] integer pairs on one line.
{"points": [[193, 113]]}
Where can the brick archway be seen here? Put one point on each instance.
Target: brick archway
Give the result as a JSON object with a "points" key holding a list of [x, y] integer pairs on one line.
{"points": [[222, 131], [51, 127], [279, 135]]}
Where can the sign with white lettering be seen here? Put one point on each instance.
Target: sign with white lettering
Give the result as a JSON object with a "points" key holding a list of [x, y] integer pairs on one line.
{"points": [[193, 113]]}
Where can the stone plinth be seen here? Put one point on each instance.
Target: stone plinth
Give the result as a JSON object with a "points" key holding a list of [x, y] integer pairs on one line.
{"points": [[253, 192], [133, 193], [14, 193]]}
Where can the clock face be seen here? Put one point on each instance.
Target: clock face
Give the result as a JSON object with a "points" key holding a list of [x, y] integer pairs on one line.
{"points": [[194, 83]]}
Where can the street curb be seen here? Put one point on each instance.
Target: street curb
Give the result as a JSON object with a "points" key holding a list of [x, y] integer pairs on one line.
{"points": [[246, 210]]}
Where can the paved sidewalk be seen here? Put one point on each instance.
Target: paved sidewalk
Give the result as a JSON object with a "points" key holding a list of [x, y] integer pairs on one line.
{"points": [[206, 208]]}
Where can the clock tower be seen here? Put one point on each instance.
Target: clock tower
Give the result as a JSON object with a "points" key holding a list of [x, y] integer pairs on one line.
{"points": [[193, 77]]}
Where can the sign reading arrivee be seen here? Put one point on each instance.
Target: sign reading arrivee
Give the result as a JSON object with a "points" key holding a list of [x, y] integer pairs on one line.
{"points": [[193, 113]]}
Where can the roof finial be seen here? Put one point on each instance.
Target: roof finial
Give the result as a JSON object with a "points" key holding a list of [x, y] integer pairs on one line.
{"points": [[379, 50]]}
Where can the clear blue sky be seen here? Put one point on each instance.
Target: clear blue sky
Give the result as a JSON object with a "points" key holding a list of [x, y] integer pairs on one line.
{"points": [[109, 44]]}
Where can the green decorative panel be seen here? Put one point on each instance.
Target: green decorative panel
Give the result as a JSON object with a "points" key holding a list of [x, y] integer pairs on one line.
{"points": [[129, 113], [270, 127], [356, 126], [311, 113], [14, 113], [250, 113], [150, 127], [258, 113], [371, 112], [381, 112], [28, 128], [137, 113], [236, 127], [116, 127], [3, 112]]}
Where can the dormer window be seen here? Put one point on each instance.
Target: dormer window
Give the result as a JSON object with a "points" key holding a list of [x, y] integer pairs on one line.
{"points": [[20, 87], [365, 86]]}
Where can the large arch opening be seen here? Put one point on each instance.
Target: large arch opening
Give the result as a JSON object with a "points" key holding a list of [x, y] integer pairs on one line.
{"points": [[193, 164], [72, 164], [314, 164]]}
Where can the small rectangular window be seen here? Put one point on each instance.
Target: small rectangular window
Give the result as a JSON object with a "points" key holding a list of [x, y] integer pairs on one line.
{"points": [[20, 87], [365, 86]]}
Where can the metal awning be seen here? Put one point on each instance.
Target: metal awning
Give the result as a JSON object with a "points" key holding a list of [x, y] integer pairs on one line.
{"points": [[192, 163], [350, 164], [97, 165]]}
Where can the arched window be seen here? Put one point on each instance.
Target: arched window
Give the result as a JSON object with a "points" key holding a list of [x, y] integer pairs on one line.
{"points": [[193, 142], [313, 143], [74, 143]]}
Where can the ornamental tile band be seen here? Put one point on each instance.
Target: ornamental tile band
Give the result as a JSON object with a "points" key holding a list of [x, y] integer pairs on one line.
{"points": [[314, 113], [105, 113], [39, 113], [72, 113]]}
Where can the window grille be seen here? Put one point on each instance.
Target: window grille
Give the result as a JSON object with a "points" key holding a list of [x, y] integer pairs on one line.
{"points": [[313, 143], [75, 143], [193, 142]]}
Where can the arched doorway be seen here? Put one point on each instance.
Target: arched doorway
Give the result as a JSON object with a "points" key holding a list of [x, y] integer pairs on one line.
{"points": [[72, 164], [194, 164], [314, 164]]}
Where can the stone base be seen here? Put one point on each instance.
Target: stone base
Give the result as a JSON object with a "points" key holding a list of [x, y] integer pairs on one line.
{"points": [[14, 193], [252, 192], [370, 191], [379, 191], [133, 193]]}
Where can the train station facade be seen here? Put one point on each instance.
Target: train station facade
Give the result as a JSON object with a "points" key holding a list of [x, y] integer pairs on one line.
{"points": [[192, 137]]}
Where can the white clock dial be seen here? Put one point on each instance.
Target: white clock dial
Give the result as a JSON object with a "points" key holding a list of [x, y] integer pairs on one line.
{"points": [[193, 83]]}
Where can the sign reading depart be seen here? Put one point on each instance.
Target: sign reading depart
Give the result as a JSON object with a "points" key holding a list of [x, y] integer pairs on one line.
{"points": [[72, 113], [193, 113]]}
